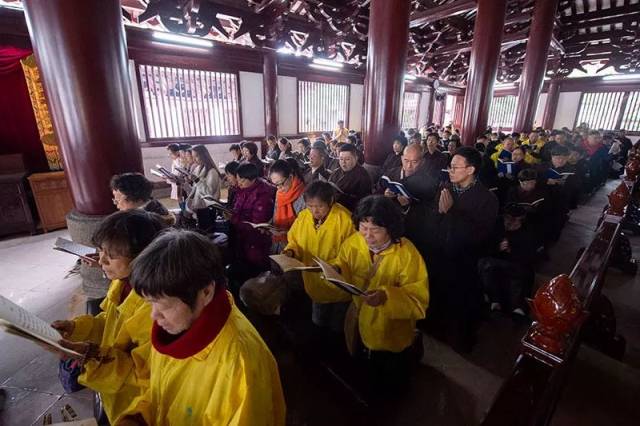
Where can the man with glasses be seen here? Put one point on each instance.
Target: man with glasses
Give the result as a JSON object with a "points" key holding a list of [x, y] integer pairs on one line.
{"points": [[457, 232]]}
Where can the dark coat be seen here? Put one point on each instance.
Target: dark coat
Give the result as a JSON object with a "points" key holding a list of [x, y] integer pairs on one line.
{"points": [[254, 204]]}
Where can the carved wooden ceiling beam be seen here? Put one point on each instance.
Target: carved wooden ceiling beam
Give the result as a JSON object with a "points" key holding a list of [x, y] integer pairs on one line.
{"points": [[437, 13]]}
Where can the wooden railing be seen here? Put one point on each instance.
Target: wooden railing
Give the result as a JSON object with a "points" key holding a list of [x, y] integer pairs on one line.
{"points": [[530, 394]]}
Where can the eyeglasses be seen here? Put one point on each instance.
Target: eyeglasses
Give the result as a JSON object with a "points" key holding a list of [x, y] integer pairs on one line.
{"points": [[450, 168], [281, 183]]}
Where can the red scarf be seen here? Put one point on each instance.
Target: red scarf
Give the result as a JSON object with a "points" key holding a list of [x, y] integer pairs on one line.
{"points": [[285, 214], [202, 332], [126, 289]]}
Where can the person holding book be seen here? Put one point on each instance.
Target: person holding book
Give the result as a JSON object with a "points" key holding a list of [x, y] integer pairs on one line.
{"points": [[231, 179], [393, 275], [236, 152], [286, 149], [273, 152], [503, 153], [208, 365], [133, 191], [116, 342], [254, 203], [208, 180], [351, 179], [319, 231], [173, 150], [289, 183]]}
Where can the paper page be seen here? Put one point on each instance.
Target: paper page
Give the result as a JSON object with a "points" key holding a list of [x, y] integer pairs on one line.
{"points": [[74, 248], [25, 320], [287, 263]]}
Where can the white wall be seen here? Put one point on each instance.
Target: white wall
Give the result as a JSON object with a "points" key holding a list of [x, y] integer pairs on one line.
{"points": [[287, 105], [252, 104], [537, 121], [356, 103], [568, 103]]}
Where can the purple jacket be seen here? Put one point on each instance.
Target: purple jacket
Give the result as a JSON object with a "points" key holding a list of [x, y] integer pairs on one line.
{"points": [[254, 204]]}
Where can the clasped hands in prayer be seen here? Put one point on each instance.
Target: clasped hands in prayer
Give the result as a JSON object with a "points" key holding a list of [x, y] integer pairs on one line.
{"points": [[445, 202]]}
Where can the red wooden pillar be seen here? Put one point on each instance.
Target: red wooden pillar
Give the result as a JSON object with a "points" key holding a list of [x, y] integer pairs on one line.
{"points": [[483, 66], [458, 107], [384, 81], [270, 76], [535, 63], [551, 105], [81, 49]]}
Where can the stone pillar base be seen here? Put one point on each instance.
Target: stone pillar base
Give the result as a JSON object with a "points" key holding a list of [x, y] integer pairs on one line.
{"points": [[81, 228]]}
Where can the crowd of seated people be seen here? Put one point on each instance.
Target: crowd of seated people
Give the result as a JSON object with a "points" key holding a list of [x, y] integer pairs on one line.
{"points": [[398, 240]]}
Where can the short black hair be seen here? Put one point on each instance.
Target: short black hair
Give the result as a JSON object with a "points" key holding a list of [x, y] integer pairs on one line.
{"points": [[471, 156], [234, 147], [173, 147], [347, 147], [305, 142], [527, 174], [382, 212], [560, 150], [134, 186], [403, 141], [352, 140], [231, 168], [185, 147], [128, 232], [178, 263], [321, 190], [248, 171], [286, 168], [251, 147]]}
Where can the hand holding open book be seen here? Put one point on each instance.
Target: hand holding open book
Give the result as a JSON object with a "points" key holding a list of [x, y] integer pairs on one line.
{"points": [[331, 275], [286, 264], [20, 322]]}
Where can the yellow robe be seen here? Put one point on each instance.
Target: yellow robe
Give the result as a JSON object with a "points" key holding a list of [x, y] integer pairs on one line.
{"points": [[233, 381], [123, 332], [402, 275], [341, 134], [307, 242]]}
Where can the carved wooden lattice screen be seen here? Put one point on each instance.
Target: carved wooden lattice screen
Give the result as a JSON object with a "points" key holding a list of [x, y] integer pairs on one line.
{"points": [[410, 110], [600, 110], [182, 103], [503, 111], [321, 105]]}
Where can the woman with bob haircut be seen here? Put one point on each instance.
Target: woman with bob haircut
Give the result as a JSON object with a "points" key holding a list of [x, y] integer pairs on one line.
{"points": [[209, 366], [116, 342], [390, 270]]}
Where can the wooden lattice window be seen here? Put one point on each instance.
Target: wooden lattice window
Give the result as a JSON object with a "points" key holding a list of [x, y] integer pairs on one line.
{"points": [[183, 103], [503, 111], [321, 105], [631, 116], [600, 110], [410, 110]]}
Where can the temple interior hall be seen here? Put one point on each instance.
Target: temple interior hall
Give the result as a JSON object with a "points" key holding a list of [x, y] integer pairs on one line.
{"points": [[319, 212]]}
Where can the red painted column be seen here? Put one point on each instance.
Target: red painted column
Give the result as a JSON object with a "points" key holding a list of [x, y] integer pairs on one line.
{"points": [[551, 105], [535, 63], [384, 81], [270, 76], [483, 66], [81, 49]]}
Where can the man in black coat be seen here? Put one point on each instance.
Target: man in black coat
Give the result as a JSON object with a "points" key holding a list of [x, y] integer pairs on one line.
{"points": [[457, 231]]}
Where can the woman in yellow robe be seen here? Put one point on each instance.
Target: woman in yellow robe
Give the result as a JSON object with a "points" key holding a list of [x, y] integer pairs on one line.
{"points": [[391, 271], [209, 366], [116, 341]]}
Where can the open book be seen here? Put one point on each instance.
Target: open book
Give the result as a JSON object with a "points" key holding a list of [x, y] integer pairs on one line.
{"points": [[20, 322], [395, 187], [212, 202], [531, 204], [334, 277], [80, 250], [505, 167], [165, 173], [267, 226], [554, 174], [286, 264]]}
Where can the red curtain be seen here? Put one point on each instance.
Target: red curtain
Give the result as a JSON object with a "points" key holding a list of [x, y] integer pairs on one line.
{"points": [[18, 128]]}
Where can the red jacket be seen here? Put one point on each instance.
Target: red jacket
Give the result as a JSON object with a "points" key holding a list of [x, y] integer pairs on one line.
{"points": [[254, 204]]}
